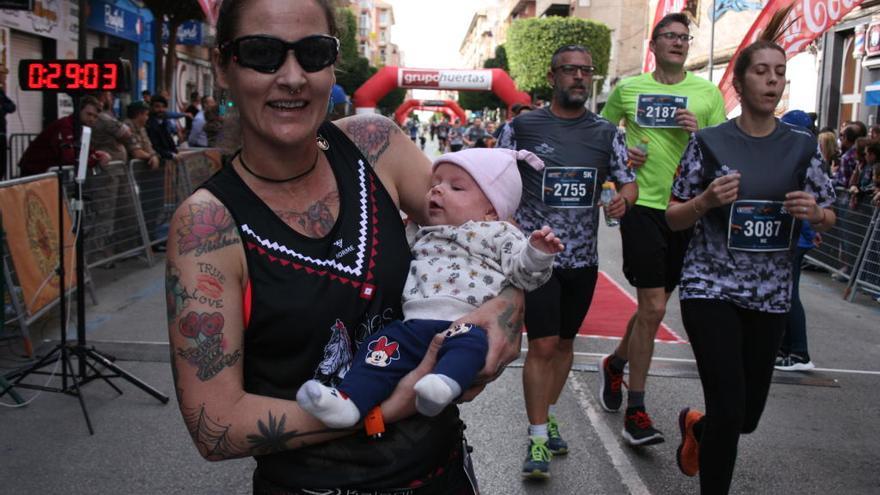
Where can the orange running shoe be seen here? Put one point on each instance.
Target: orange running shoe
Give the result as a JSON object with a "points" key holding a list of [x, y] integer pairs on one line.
{"points": [[688, 453]]}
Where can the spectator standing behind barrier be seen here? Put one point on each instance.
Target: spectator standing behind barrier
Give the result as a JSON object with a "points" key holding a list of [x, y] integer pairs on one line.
{"points": [[794, 354], [848, 160], [6, 107], [140, 146], [157, 130], [213, 125], [195, 106], [108, 192], [197, 136], [830, 151], [150, 182], [57, 145]]}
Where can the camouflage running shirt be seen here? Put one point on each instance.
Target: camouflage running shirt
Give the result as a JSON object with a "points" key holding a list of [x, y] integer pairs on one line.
{"points": [[771, 166], [588, 141]]}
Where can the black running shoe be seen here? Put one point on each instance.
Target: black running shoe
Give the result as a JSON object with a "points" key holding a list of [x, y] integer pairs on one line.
{"points": [[610, 386], [638, 429]]}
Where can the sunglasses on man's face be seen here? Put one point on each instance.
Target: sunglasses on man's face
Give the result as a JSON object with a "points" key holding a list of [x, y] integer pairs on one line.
{"points": [[267, 54]]}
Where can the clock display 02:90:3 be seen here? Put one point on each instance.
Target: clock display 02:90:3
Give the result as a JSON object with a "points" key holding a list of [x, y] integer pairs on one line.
{"points": [[70, 75]]}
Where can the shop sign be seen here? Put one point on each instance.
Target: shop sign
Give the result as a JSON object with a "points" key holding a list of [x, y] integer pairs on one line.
{"points": [[188, 33], [116, 21]]}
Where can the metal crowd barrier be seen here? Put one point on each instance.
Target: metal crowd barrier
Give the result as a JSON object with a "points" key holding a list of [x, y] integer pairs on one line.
{"points": [[14, 149], [867, 274], [127, 208], [844, 250]]}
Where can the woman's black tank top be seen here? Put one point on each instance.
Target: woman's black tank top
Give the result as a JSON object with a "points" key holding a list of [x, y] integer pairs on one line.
{"points": [[310, 302]]}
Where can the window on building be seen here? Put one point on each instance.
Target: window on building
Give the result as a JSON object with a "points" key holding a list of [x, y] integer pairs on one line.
{"points": [[383, 17], [382, 35], [850, 82]]}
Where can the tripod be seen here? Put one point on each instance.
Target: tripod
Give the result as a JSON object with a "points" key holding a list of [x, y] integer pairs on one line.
{"points": [[88, 358]]}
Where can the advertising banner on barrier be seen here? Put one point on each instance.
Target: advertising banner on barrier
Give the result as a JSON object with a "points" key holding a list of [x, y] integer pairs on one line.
{"points": [[808, 20], [444, 79], [32, 236]]}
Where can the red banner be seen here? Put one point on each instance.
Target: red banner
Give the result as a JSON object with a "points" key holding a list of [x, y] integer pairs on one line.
{"points": [[806, 22], [663, 7]]}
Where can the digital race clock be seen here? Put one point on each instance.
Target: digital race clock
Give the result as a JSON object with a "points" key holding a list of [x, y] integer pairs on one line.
{"points": [[73, 76]]}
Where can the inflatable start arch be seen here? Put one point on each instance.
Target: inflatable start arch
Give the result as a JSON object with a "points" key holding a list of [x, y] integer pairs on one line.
{"points": [[449, 107], [390, 77]]}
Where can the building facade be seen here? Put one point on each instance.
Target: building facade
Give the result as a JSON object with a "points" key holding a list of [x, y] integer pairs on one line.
{"points": [[374, 21], [115, 29], [848, 68]]}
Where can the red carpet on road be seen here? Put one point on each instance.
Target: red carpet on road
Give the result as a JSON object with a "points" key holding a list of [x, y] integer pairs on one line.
{"points": [[610, 311]]}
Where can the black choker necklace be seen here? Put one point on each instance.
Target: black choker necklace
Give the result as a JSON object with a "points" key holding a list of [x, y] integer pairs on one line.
{"points": [[269, 179]]}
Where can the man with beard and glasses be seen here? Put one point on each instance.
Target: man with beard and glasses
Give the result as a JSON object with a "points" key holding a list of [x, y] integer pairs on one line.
{"points": [[581, 150], [660, 110]]}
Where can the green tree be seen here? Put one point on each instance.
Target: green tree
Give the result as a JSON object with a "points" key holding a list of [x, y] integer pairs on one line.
{"points": [[175, 12], [531, 43], [478, 100], [352, 70]]}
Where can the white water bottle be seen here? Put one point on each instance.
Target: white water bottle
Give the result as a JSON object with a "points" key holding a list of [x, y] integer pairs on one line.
{"points": [[608, 192]]}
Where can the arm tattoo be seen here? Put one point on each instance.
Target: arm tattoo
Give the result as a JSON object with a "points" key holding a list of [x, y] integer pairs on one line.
{"points": [[211, 437], [372, 135], [510, 318], [206, 227], [205, 330], [176, 296], [317, 220], [273, 437]]}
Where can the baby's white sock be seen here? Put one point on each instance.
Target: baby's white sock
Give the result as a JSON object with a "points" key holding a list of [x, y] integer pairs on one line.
{"points": [[434, 392], [327, 404]]}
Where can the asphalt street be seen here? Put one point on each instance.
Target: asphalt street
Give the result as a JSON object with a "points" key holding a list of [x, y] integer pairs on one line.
{"points": [[817, 435]]}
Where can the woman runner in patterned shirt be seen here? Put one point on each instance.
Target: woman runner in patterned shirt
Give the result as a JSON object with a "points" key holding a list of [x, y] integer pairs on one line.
{"points": [[745, 184]]}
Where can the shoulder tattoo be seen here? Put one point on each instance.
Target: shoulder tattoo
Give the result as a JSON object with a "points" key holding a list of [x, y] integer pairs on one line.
{"points": [[371, 134], [204, 227]]}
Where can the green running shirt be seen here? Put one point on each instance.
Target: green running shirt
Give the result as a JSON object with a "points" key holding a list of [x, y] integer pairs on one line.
{"points": [[665, 145]]}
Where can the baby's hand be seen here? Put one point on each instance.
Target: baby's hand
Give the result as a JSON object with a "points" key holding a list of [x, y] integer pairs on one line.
{"points": [[545, 240]]}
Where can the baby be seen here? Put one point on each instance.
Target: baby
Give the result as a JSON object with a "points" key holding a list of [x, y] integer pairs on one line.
{"points": [[465, 257]]}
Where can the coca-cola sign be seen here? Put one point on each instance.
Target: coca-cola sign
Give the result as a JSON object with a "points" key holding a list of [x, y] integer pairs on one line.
{"points": [[806, 22], [444, 79]]}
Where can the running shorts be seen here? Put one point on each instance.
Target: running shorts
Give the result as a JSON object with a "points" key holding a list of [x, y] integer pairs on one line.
{"points": [[558, 307], [653, 253]]}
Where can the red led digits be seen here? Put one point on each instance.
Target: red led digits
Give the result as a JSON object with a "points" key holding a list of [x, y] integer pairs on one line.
{"points": [[52, 76], [90, 76], [71, 72], [111, 76], [71, 75]]}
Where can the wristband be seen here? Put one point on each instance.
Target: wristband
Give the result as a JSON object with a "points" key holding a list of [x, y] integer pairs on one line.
{"points": [[374, 423]]}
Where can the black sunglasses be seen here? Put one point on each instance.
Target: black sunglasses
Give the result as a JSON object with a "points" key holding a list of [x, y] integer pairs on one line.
{"points": [[267, 54]]}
